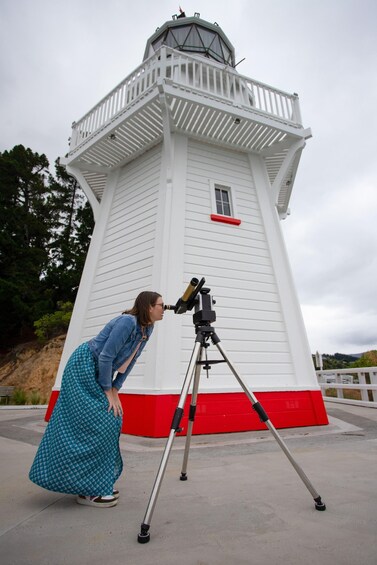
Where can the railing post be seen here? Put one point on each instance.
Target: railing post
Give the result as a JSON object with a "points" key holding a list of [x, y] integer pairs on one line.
{"points": [[338, 380], [163, 61], [74, 136], [296, 112], [373, 381], [364, 392]]}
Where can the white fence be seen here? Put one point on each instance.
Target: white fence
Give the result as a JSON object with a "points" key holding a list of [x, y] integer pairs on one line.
{"points": [[205, 76], [352, 386]]}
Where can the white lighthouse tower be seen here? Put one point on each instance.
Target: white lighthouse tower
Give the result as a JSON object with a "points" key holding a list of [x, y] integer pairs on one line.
{"points": [[189, 167]]}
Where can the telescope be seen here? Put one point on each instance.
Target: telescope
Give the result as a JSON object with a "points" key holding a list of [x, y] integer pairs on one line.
{"points": [[188, 298]]}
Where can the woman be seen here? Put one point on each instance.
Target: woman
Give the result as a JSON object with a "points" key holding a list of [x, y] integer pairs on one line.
{"points": [[79, 452]]}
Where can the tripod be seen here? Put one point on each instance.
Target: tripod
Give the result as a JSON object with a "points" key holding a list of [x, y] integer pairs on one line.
{"points": [[203, 317]]}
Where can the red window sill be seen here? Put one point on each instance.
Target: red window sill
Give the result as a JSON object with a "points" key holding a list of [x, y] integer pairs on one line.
{"points": [[225, 219]]}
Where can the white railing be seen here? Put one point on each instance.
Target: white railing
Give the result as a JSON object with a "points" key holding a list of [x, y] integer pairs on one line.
{"points": [[224, 82], [205, 76], [352, 386], [120, 98]]}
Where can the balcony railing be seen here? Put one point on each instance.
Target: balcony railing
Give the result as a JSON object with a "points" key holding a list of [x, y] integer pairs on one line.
{"points": [[203, 76], [349, 386]]}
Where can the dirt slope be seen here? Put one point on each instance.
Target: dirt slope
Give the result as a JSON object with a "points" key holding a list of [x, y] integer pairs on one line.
{"points": [[32, 366]]}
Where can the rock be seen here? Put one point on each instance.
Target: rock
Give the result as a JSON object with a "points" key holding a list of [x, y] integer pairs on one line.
{"points": [[32, 366]]}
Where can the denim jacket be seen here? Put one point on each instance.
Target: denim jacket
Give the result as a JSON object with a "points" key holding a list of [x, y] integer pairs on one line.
{"points": [[114, 345]]}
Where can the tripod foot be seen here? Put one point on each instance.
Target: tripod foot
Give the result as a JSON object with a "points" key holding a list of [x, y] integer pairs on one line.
{"points": [[144, 535], [183, 477], [319, 505]]}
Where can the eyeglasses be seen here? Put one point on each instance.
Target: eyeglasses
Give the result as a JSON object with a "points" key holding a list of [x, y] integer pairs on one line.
{"points": [[160, 304]]}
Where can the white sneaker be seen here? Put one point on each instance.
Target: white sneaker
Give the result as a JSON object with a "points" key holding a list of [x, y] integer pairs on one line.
{"points": [[97, 501]]}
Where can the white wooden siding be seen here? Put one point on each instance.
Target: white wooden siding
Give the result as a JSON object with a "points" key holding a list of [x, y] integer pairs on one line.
{"points": [[125, 261], [236, 262]]}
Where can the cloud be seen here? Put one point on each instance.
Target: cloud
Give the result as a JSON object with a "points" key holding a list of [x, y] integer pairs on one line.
{"points": [[333, 256], [339, 329], [57, 61]]}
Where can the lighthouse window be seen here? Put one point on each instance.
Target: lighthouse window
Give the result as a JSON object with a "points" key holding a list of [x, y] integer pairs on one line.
{"points": [[223, 200]]}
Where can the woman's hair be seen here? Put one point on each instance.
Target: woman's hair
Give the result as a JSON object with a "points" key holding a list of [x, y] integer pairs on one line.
{"points": [[140, 309]]}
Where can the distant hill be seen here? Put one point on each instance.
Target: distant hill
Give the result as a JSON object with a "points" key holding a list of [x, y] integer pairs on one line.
{"points": [[344, 361], [347, 358], [336, 361]]}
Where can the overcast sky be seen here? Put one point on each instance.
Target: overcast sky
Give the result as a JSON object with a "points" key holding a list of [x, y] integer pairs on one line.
{"points": [[59, 58]]}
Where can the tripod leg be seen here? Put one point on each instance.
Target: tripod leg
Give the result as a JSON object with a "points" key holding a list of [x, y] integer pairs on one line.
{"points": [[144, 535], [319, 505], [192, 412]]}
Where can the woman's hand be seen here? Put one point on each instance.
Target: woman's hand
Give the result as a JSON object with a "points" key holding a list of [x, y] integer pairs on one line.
{"points": [[114, 402], [117, 402]]}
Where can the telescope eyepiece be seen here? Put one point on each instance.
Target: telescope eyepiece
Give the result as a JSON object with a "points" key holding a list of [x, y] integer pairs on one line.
{"points": [[169, 307]]}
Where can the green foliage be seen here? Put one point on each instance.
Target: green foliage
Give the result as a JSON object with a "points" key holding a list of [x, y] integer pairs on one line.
{"points": [[51, 325], [336, 361], [368, 359], [333, 362], [45, 229], [24, 235], [342, 361], [70, 236], [35, 398], [19, 397]]}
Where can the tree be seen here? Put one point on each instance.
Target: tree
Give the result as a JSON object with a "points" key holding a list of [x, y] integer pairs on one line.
{"points": [[368, 359], [51, 325], [25, 225], [45, 228], [70, 237]]}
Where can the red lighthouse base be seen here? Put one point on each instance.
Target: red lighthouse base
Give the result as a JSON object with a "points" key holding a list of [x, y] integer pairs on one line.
{"points": [[151, 415]]}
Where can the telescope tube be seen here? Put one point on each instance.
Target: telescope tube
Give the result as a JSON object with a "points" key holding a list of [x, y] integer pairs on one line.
{"points": [[181, 305], [189, 290]]}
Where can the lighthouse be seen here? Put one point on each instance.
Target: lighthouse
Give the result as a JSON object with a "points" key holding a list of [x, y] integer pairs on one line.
{"points": [[189, 167]]}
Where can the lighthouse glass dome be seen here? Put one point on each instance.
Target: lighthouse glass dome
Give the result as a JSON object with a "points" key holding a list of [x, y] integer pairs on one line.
{"points": [[193, 35]]}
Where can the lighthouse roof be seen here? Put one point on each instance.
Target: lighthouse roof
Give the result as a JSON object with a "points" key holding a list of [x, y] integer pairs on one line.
{"points": [[193, 35]]}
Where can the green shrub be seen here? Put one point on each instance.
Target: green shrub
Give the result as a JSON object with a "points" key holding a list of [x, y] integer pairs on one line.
{"points": [[51, 325], [35, 398], [368, 359], [19, 397]]}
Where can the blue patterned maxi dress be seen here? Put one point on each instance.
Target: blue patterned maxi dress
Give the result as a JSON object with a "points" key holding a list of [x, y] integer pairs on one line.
{"points": [[79, 452]]}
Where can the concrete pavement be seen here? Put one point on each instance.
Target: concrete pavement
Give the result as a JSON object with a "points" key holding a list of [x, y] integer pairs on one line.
{"points": [[243, 502]]}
